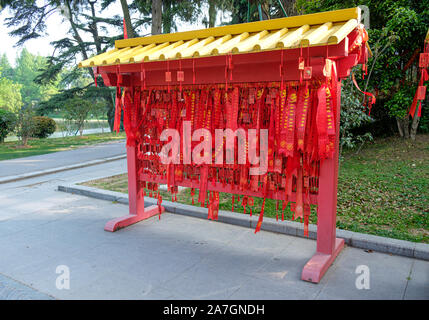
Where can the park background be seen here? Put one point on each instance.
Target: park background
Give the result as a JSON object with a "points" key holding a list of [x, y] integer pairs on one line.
{"points": [[47, 104]]}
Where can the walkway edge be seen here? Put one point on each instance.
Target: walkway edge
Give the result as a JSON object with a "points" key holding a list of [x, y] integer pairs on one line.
{"points": [[59, 169], [353, 239]]}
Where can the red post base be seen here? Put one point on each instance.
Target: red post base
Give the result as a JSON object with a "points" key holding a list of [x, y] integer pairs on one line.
{"points": [[130, 219], [317, 266]]}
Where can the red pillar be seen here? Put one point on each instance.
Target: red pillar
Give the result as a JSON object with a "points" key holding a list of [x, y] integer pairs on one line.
{"points": [[136, 204], [328, 245], [137, 211]]}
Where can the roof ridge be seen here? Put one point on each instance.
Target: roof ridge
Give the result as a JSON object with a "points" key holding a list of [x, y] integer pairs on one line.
{"points": [[257, 26]]}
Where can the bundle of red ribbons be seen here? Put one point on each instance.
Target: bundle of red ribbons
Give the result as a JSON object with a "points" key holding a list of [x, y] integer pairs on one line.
{"points": [[420, 94], [300, 118]]}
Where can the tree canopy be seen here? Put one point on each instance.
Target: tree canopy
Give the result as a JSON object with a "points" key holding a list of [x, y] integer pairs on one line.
{"points": [[396, 33], [396, 37], [10, 95]]}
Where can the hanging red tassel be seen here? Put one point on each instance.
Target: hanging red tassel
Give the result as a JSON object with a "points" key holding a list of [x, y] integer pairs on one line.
{"points": [[118, 107], [277, 209], [192, 195], [419, 95], [203, 184], [244, 203], [251, 203], [216, 205], [322, 122], [159, 205], [210, 207], [299, 210], [306, 218], [261, 217], [304, 102]]}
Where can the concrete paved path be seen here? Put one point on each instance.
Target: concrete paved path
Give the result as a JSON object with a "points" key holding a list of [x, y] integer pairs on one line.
{"points": [[62, 158], [176, 257]]}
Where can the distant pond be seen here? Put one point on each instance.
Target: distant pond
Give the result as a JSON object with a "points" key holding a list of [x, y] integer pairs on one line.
{"points": [[64, 130]]}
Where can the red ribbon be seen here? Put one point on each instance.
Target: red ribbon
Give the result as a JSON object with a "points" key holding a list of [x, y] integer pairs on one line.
{"points": [[308, 116], [321, 122], [304, 102], [372, 101], [423, 77], [118, 107]]}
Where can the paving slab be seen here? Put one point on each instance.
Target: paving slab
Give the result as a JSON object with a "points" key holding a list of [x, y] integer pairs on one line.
{"points": [[418, 282], [13, 290], [387, 276], [176, 257]]}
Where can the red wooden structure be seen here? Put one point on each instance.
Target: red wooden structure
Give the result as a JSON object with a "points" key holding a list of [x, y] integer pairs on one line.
{"points": [[282, 75]]}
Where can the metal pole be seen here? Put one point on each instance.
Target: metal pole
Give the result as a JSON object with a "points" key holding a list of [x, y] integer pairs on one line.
{"points": [[260, 12], [283, 8]]}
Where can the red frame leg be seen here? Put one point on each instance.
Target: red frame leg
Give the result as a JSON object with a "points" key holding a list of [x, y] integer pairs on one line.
{"points": [[328, 245], [136, 199], [319, 263]]}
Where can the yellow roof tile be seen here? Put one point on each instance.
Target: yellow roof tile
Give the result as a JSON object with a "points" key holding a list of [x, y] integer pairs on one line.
{"points": [[318, 29], [270, 41]]}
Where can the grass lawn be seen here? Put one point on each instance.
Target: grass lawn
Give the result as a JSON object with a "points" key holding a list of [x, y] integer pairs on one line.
{"points": [[12, 150], [383, 190]]}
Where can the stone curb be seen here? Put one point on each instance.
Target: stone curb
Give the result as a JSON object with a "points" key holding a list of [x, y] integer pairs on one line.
{"points": [[353, 239], [58, 169]]}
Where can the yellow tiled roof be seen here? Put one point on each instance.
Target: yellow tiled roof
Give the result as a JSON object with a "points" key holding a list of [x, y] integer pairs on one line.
{"points": [[307, 30]]}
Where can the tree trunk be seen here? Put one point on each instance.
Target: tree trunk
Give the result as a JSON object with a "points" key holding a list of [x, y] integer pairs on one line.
{"points": [[401, 132], [414, 126], [403, 127], [406, 127], [156, 16], [212, 13], [128, 24], [24, 141], [77, 36], [94, 28], [416, 120]]}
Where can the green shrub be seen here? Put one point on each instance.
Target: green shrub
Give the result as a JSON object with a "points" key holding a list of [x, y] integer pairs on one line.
{"points": [[43, 127], [7, 123], [353, 116]]}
